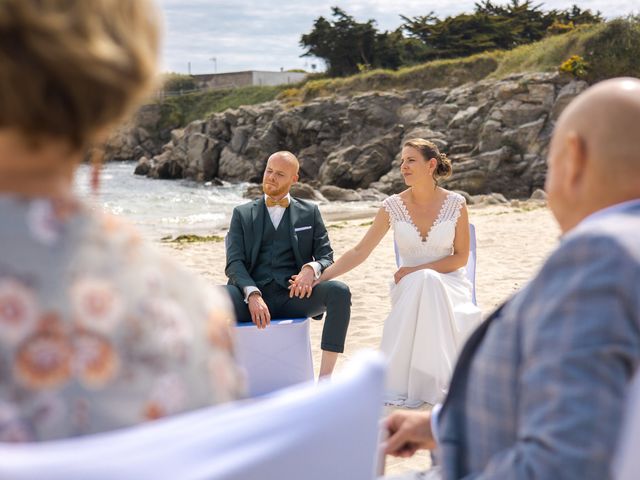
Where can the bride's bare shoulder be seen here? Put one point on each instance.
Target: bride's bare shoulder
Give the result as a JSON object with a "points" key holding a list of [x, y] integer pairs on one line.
{"points": [[405, 194]]}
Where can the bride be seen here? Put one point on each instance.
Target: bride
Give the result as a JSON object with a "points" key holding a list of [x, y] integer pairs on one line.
{"points": [[432, 312]]}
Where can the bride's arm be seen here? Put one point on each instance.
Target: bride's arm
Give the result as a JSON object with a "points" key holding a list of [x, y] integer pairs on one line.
{"points": [[452, 262], [358, 254]]}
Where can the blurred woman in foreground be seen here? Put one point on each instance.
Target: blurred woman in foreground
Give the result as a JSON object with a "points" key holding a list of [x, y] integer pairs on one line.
{"points": [[97, 330]]}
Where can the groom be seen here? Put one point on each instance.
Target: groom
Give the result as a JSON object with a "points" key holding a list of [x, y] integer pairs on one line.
{"points": [[539, 388], [277, 246]]}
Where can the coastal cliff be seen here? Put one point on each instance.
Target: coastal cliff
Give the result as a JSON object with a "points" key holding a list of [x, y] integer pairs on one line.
{"points": [[496, 133]]}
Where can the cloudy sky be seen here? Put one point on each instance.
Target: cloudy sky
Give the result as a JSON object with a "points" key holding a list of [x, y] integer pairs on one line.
{"points": [[234, 35]]}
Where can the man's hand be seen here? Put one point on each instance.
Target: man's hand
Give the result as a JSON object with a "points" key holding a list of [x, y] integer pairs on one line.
{"points": [[303, 283], [259, 311], [402, 272], [408, 433]]}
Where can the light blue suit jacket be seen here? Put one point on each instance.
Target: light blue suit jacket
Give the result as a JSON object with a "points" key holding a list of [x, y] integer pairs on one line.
{"points": [[539, 389]]}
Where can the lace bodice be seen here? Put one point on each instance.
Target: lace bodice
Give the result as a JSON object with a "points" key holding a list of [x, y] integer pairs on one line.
{"points": [[411, 247]]}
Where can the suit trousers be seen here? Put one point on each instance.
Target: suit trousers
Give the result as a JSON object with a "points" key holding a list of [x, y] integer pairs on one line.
{"points": [[332, 297]]}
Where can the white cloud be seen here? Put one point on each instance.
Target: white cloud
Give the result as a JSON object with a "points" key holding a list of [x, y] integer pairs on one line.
{"points": [[265, 35]]}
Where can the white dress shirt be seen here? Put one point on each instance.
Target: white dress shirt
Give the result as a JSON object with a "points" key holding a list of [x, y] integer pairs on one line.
{"points": [[277, 212]]}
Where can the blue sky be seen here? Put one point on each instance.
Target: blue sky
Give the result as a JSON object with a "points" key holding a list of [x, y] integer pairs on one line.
{"points": [[265, 35]]}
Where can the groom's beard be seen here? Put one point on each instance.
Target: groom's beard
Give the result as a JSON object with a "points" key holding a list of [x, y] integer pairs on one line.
{"points": [[273, 191]]}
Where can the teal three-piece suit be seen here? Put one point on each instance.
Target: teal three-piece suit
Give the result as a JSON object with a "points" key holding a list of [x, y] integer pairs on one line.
{"points": [[261, 256]]}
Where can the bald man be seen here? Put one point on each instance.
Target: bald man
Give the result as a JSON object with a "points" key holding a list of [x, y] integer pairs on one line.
{"points": [[277, 246], [539, 389]]}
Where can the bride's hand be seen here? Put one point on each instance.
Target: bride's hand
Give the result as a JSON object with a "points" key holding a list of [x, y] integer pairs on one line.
{"points": [[293, 278], [401, 273]]}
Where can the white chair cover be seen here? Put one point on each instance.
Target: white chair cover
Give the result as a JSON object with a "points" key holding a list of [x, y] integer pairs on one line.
{"points": [[471, 262], [328, 431], [627, 464], [275, 357]]}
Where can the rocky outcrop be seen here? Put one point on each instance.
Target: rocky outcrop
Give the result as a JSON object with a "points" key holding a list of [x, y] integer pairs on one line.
{"points": [[496, 133], [143, 136]]}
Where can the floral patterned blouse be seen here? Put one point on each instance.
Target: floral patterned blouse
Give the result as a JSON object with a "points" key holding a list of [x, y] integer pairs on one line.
{"points": [[98, 330]]}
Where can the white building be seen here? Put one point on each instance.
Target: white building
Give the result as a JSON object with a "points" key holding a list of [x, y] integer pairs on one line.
{"points": [[250, 77]]}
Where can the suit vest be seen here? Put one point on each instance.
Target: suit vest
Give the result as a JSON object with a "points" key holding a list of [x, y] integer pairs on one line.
{"points": [[276, 261]]}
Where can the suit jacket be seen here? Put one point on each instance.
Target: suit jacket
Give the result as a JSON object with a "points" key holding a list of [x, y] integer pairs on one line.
{"points": [[309, 238], [538, 391]]}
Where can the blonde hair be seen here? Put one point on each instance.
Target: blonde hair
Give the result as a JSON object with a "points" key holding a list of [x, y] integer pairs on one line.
{"points": [[430, 150], [71, 68]]}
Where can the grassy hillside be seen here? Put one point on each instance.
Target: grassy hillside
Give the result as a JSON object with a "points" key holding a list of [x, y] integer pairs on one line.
{"points": [[439, 73], [609, 49], [605, 50], [179, 111]]}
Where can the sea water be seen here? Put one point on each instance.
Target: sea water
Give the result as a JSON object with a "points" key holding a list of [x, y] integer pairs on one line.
{"points": [[168, 208]]}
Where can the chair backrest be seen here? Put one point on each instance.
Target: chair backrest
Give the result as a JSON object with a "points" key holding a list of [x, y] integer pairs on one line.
{"points": [[315, 432], [471, 262], [275, 357], [627, 462]]}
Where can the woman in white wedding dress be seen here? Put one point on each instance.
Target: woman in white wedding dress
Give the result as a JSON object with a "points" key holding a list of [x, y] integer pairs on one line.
{"points": [[432, 310]]}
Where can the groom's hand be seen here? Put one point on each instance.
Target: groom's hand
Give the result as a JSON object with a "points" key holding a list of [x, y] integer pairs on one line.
{"points": [[302, 284], [259, 311]]}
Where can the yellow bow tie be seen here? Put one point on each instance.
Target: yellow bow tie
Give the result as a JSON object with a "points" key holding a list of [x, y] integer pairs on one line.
{"points": [[284, 202]]}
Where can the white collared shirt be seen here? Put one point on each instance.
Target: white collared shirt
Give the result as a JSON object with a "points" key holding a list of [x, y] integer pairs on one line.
{"points": [[276, 212], [609, 210]]}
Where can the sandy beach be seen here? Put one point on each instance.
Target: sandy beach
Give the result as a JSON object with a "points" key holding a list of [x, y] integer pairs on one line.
{"points": [[512, 242]]}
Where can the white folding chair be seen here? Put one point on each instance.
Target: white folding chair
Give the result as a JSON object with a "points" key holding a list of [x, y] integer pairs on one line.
{"points": [[627, 463], [470, 268], [312, 432], [275, 357]]}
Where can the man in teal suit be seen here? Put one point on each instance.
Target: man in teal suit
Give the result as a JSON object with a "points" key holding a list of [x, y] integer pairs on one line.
{"points": [[277, 246]]}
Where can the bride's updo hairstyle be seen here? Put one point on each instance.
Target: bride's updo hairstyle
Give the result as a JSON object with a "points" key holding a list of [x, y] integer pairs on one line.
{"points": [[429, 150], [69, 69]]}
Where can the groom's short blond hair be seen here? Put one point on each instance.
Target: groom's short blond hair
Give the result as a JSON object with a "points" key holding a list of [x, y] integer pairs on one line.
{"points": [[71, 68]]}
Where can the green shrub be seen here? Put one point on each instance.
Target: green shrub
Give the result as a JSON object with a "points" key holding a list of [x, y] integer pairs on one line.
{"points": [[575, 65], [557, 28], [614, 51], [176, 82], [178, 111]]}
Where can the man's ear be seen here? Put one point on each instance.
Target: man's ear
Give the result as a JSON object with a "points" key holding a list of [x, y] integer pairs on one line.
{"points": [[576, 162]]}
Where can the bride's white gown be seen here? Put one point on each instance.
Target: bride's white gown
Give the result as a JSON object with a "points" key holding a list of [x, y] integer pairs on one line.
{"points": [[432, 313]]}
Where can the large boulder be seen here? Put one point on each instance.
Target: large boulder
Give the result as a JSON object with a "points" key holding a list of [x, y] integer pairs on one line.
{"points": [[143, 135], [340, 194], [306, 192], [358, 167], [566, 94], [234, 167]]}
